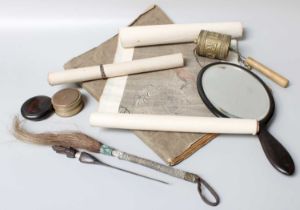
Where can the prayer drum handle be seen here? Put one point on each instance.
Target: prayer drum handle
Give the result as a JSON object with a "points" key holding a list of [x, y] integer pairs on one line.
{"points": [[271, 74]]}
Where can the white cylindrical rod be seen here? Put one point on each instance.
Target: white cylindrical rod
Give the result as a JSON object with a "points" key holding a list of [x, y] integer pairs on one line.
{"points": [[174, 33], [117, 69], [174, 123]]}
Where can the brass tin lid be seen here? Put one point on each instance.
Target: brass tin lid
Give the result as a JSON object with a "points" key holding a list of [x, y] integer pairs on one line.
{"points": [[67, 102]]}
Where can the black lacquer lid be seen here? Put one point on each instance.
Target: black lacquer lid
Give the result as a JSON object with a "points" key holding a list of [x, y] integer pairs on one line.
{"points": [[37, 108]]}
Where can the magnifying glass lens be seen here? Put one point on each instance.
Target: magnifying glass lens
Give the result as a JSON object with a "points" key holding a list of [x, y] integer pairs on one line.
{"points": [[235, 93]]}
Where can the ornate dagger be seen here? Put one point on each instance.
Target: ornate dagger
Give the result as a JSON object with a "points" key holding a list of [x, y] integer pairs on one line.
{"points": [[80, 140]]}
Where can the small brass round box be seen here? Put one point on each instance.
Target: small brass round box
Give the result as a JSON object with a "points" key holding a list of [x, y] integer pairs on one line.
{"points": [[213, 45], [67, 102]]}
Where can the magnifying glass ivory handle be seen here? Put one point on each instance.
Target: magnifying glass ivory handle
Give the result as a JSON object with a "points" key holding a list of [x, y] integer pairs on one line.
{"points": [[117, 69], [174, 123], [271, 74]]}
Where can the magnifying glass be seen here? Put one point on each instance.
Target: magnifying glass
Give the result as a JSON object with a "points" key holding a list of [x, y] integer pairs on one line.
{"points": [[232, 91]]}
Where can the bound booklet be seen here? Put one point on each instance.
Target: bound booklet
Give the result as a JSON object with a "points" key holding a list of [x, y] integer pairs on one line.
{"points": [[171, 92]]}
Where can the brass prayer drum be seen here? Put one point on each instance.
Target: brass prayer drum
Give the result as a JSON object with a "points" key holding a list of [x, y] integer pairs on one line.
{"points": [[213, 45]]}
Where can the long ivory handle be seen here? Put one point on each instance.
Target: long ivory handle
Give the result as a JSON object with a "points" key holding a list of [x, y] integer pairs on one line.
{"points": [[117, 69], [174, 123], [274, 76], [174, 33]]}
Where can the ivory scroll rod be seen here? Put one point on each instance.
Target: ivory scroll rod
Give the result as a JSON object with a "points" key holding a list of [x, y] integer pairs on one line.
{"points": [[116, 69], [135, 36], [174, 123]]}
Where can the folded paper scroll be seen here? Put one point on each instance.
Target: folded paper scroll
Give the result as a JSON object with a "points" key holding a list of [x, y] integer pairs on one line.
{"points": [[173, 93], [174, 33]]}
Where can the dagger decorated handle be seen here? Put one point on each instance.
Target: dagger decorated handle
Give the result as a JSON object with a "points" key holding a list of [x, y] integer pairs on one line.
{"points": [[156, 166], [191, 177]]}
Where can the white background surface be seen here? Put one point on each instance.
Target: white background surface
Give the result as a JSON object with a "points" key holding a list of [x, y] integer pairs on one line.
{"points": [[40, 36]]}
